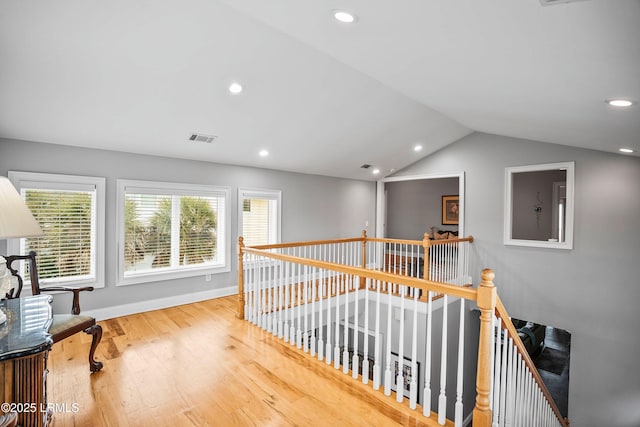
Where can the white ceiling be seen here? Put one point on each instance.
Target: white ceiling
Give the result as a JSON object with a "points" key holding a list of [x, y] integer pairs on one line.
{"points": [[321, 96]]}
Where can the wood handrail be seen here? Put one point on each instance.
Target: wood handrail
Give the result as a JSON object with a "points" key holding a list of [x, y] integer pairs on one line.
{"points": [[362, 238], [504, 317], [425, 285], [307, 243], [419, 242]]}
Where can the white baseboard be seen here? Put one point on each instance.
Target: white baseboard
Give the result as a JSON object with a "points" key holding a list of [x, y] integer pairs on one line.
{"points": [[159, 303]]}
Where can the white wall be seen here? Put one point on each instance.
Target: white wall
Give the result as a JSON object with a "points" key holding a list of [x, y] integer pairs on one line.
{"points": [[593, 290], [313, 207]]}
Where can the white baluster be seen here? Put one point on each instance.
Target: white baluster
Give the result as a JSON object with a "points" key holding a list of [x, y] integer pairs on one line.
{"points": [[287, 305], [256, 290], [442, 398], [247, 285], [504, 376], [355, 359], [400, 377], [292, 286], [314, 290], [365, 358], [275, 286], [511, 380], [300, 281], [263, 300], [376, 356], [345, 338], [330, 293], [413, 382], [336, 348], [387, 370], [281, 306], [495, 408], [257, 285], [268, 297], [250, 281], [432, 263], [426, 403], [458, 407], [531, 415], [305, 332], [443, 262], [414, 263], [321, 285], [519, 392]]}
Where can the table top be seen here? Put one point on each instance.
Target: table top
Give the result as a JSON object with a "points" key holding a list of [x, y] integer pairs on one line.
{"points": [[26, 330]]}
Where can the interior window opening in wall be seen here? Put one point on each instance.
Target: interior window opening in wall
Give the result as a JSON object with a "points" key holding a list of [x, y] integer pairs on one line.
{"points": [[259, 216], [168, 231], [408, 207], [70, 211], [539, 205]]}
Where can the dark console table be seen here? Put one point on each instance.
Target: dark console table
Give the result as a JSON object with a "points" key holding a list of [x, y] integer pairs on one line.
{"points": [[24, 345]]}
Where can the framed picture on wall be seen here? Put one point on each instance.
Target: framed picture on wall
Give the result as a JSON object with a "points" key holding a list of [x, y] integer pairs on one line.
{"points": [[450, 210], [407, 373]]}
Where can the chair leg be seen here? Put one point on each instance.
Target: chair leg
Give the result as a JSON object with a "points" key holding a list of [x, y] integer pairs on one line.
{"points": [[9, 419], [96, 332]]}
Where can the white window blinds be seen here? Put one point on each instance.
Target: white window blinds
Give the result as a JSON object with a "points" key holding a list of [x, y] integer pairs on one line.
{"points": [[259, 216], [170, 228], [67, 220], [70, 211]]}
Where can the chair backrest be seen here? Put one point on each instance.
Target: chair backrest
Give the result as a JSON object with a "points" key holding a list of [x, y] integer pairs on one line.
{"points": [[33, 273]]}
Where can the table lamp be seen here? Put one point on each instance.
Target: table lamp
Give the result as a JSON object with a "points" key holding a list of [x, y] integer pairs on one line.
{"points": [[16, 221]]}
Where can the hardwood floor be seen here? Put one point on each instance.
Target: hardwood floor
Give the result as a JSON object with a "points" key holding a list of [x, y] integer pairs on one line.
{"points": [[197, 365]]}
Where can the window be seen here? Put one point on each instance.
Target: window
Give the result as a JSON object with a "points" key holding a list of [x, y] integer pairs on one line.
{"points": [[259, 216], [168, 231], [70, 211]]}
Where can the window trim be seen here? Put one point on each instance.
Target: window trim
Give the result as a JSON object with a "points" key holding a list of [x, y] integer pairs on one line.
{"points": [[170, 188], [259, 193], [52, 181]]}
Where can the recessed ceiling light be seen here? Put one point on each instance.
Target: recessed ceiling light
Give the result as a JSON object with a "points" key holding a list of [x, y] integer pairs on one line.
{"points": [[620, 102], [417, 148], [627, 150], [376, 171], [263, 153], [343, 16], [235, 88]]}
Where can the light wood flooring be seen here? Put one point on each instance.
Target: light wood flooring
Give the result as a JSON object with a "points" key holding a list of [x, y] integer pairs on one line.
{"points": [[197, 365]]}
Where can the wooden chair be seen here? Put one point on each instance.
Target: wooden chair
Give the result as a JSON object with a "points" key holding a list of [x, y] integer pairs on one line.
{"points": [[63, 325]]}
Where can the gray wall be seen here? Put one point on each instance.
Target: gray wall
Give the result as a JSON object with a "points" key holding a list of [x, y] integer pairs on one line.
{"points": [[593, 290], [313, 207], [413, 207], [530, 190]]}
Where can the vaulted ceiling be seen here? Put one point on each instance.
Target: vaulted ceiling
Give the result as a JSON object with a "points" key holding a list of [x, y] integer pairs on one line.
{"points": [[323, 97]]}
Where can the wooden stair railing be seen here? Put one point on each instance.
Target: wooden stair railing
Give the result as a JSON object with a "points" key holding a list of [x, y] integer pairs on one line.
{"points": [[311, 283], [506, 323]]}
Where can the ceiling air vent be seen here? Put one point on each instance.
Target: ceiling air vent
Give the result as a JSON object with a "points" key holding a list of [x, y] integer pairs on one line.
{"points": [[552, 2], [199, 137], [365, 166]]}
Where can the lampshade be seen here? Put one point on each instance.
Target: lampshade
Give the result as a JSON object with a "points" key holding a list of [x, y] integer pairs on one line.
{"points": [[15, 218]]}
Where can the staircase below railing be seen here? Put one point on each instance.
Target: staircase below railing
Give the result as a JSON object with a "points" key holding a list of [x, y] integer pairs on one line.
{"points": [[519, 395], [365, 306]]}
